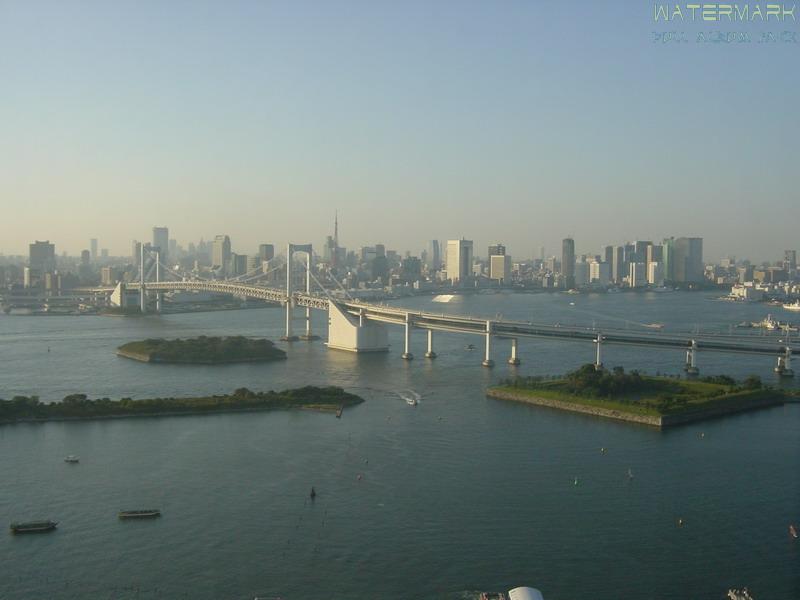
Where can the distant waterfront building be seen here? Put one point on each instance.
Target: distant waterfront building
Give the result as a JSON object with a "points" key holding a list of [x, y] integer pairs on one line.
{"points": [[136, 252], [600, 272], [434, 257], [500, 267], [617, 264], [790, 259], [93, 248], [655, 253], [86, 257], [580, 273], [459, 260], [41, 260], [568, 263], [637, 275], [496, 250], [655, 274], [607, 254], [687, 260], [266, 252], [161, 242], [221, 252], [108, 276]]}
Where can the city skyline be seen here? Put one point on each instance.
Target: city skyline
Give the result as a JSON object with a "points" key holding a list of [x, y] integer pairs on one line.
{"points": [[443, 121]]}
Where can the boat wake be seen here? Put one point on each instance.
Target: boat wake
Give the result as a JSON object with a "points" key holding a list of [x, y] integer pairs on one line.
{"points": [[410, 396]]}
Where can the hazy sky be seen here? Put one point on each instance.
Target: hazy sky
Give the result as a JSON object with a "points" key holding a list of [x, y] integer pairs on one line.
{"points": [[519, 122]]}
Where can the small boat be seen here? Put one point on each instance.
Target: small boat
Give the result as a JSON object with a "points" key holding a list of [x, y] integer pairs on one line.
{"points": [[313, 493], [469, 347], [139, 514], [630, 474], [793, 306], [72, 459], [339, 412], [411, 401], [792, 531], [33, 527], [654, 325]]}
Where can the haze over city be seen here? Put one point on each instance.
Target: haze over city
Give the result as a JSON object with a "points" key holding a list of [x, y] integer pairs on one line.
{"points": [[416, 120]]}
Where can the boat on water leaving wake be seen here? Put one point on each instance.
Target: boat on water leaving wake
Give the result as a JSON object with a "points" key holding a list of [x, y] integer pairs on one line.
{"points": [[139, 514], [72, 459], [33, 527]]}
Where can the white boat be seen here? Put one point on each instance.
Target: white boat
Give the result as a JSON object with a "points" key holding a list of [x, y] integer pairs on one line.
{"points": [[411, 401], [443, 298], [793, 306], [662, 289], [72, 459]]}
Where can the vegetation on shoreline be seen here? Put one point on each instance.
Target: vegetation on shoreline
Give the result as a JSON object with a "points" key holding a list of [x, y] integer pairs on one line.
{"points": [[78, 406], [202, 350], [641, 394]]}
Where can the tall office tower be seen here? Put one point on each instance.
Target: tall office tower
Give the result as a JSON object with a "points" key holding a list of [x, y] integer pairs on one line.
{"points": [[580, 273], [434, 257], [161, 241], [93, 247], [607, 254], [380, 250], [221, 252], [600, 272], [500, 267], [173, 248], [459, 260], [687, 260], [41, 259], [667, 251], [568, 263], [541, 253], [617, 264], [637, 275], [496, 250], [789, 259], [654, 254], [640, 248], [86, 257], [655, 273], [136, 252], [266, 252]]}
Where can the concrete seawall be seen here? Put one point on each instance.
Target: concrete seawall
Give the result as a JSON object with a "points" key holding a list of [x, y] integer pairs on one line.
{"points": [[652, 421]]}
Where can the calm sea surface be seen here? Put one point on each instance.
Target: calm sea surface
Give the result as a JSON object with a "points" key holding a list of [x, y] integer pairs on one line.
{"points": [[459, 493]]}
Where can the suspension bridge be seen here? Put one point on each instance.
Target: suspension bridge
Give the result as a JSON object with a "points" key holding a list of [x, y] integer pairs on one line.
{"points": [[358, 326]]}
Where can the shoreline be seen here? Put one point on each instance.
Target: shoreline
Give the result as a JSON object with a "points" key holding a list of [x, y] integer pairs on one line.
{"points": [[146, 358], [657, 421], [324, 408]]}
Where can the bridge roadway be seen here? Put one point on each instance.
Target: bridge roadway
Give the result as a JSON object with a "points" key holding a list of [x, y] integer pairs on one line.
{"points": [[498, 328]]}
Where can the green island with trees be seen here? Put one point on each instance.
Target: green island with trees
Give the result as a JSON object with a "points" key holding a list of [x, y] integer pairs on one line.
{"points": [[652, 400], [79, 406], [202, 350]]}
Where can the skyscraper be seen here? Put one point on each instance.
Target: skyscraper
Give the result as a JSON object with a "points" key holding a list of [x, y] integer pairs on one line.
{"points": [[221, 252], [459, 260], [161, 241], [496, 250], [789, 259], [41, 259], [687, 260], [93, 247], [568, 263], [617, 264], [266, 252], [434, 259]]}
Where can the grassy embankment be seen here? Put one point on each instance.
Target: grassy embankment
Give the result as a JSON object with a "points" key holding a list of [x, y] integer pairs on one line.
{"points": [[659, 399], [202, 350], [78, 406]]}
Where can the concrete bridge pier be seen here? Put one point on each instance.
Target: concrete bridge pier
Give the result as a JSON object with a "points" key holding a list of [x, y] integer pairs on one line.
{"points": [[691, 359], [487, 359], [142, 291], [514, 360], [289, 336], [158, 278], [407, 339], [598, 360], [430, 353], [784, 366]]}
